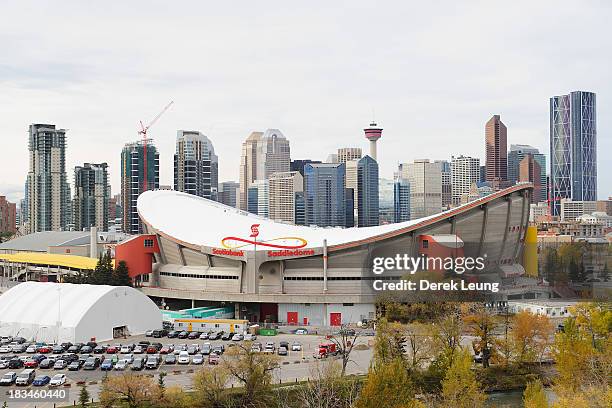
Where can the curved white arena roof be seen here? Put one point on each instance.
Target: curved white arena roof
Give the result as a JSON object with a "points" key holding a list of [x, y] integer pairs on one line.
{"points": [[198, 222], [33, 310]]}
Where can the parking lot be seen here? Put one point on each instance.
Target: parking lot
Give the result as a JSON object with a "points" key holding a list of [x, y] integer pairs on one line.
{"points": [[296, 365]]}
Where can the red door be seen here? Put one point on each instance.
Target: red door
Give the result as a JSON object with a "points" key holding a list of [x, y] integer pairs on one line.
{"points": [[305, 321], [335, 319], [292, 318]]}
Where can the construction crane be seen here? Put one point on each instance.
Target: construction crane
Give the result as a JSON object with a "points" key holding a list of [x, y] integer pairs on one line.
{"points": [[143, 131]]}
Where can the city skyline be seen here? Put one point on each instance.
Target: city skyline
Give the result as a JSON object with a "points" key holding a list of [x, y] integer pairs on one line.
{"points": [[99, 88]]}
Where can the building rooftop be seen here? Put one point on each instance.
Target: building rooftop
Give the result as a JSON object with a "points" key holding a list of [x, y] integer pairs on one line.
{"points": [[41, 241], [37, 258]]}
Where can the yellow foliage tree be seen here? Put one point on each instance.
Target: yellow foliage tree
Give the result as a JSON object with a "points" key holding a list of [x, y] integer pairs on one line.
{"points": [[133, 390], [530, 335], [460, 389], [534, 396]]}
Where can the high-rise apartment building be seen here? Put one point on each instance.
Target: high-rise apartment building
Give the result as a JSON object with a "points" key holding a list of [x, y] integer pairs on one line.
{"points": [[8, 216], [386, 201], [570, 210], [325, 194], [283, 188], [298, 165], [425, 180], [229, 193], [573, 148], [367, 192], [133, 180], [196, 166], [401, 200], [530, 171], [516, 154], [91, 196], [48, 191], [263, 154], [447, 183], [349, 153], [465, 171], [496, 149], [350, 183], [259, 198]]}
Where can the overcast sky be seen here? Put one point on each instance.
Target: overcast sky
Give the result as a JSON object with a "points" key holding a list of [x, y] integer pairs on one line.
{"points": [[433, 74]]}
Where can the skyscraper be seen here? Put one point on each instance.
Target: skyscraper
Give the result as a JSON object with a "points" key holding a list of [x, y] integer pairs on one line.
{"points": [[325, 194], [263, 154], [284, 187], [91, 196], [386, 201], [425, 180], [133, 180], [298, 165], [8, 215], [48, 192], [401, 200], [530, 171], [447, 184], [373, 133], [465, 172], [196, 166], [496, 161], [349, 153], [573, 148], [516, 154], [367, 192], [229, 193]]}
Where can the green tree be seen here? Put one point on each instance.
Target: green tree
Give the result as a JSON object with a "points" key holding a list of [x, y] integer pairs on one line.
{"points": [[534, 395], [83, 396], [389, 342], [161, 383], [460, 388], [388, 386], [574, 270], [121, 276]]}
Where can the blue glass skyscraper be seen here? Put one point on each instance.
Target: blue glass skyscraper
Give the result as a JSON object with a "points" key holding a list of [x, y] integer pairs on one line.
{"points": [[325, 194], [573, 148], [367, 192]]}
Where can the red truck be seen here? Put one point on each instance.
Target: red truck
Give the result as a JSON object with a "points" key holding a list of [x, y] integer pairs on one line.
{"points": [[327, 349]]}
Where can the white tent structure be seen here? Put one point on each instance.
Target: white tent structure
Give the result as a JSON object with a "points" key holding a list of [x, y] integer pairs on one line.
{"points": [[64, 312]]}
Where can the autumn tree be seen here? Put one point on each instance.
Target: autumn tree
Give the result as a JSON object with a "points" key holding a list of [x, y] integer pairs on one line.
{"points": [[446, 337], [534, 395], [388, 386], [481, 325], [209, 387], [460, 388], [345, 341], [327, 388], [389, 342], [254, 371], [530, 335], [417, 344], [134, 390]]}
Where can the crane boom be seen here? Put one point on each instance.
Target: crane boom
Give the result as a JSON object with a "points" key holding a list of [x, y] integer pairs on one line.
{"points": [[143, 131]]}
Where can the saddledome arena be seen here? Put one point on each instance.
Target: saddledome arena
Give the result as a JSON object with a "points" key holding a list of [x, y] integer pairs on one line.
{"points": [[215, 254]]}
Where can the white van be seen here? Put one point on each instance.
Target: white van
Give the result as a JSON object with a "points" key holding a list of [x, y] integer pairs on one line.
{"points": [[26, 377]]}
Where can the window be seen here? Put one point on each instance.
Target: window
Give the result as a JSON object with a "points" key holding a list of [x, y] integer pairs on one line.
{"points": [[425, 244], [148, 243]]}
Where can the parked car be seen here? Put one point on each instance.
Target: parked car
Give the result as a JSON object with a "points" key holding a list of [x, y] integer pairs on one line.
{"points": [[172, 334], [183, 358], [296, 346], [149, 333], [213, 359], [41, 380], [8, 378], [167, 349], [237, 337], [86, 350], [74, 348], [301, 331], [47, 363], [91, 363], [284, 344], [226, 336], [30, 363], [26, 377], [152, 362], [5, 349], [138, 364], [193, 349], [215, 335], [204, 336], [122, 365], [219, 349], [193, 335], [113, 349], [4, 364], [170, 359], [250, 337], [159, 333], [107, 365], [31, 348], [206, 349], [45, 349], [282, 351], [57, 380], [138, 349], [75, 365], [15, 363], [128, 357], [198, 359], [270, 348], [100, 349], [125, 349], [179, 348], [18, 348], [183, 335], [58, 349]]}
